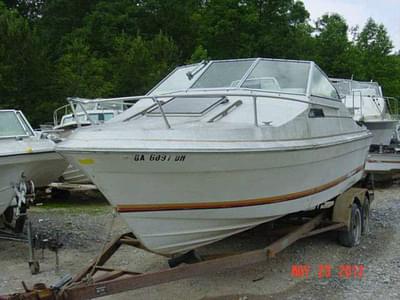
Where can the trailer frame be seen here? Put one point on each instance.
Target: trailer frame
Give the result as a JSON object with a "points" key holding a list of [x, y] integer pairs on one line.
{"points": [[97, 280]]}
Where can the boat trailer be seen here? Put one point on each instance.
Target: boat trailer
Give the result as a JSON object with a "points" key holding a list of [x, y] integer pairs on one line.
{"points": [[24, 195], [348, 214]]}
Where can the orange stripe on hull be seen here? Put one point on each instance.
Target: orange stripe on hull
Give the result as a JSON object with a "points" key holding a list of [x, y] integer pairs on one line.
{"points": [[384, 161], [125, 208]]}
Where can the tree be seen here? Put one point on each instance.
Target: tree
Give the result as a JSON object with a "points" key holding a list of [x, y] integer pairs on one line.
{"points": [[25, 73], [139, 64], [58, 19], [374, 46], [374, 39], [29, 9], [80, 73], [333, 49]]}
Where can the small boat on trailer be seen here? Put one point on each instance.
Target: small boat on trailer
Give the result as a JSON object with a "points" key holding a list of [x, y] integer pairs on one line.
{"points": [[221, 147], [366, 102], [72, 116], [25, 157]]}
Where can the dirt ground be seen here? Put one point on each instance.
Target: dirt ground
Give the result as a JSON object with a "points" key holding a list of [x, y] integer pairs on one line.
{"points": [[83, 226]]}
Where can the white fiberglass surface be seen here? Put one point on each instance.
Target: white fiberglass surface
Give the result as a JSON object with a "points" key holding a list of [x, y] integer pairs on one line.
{"points": [[11, 125], [185, 106], [348, 87]]}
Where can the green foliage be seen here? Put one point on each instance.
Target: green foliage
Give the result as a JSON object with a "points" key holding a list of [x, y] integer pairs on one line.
{"points": [[82, 74], [52, 49], [25, 73]]}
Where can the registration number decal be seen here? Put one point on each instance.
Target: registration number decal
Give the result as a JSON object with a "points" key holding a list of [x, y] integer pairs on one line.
{"points": [[160, 157]]}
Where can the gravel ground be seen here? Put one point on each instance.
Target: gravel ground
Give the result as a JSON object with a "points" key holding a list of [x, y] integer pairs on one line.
{"points": [[84, 225]]}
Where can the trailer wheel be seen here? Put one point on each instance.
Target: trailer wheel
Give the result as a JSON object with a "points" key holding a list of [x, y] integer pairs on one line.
{"points": [[365, 217], [352, 236]]}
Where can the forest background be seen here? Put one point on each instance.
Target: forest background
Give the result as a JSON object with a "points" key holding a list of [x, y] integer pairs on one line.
{"points": [[53, 49]]}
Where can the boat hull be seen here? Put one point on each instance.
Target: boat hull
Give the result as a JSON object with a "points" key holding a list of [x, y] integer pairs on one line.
{"points": [[175, 201], [382, 130], [383, 163], [41, 168], [74, 175]]}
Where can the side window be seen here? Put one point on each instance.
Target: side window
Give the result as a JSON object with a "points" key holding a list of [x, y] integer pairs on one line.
{"points": [[321, 86]]}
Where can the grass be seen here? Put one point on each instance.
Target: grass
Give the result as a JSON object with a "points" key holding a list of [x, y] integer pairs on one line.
{"points": [[77, 203]]}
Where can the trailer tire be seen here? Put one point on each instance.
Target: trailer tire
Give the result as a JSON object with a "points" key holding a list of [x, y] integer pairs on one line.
{"points": [[351, 237], [365, 217]]}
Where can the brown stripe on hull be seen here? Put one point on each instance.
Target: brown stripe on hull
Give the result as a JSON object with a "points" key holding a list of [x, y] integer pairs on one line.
{"points": [[384, 161], [125, 208]]}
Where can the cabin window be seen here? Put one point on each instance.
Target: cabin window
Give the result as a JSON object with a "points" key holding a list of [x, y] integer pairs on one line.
{"points": [[316, 113], [321, 86], [10, 125], [189, 106], [108, 116]]}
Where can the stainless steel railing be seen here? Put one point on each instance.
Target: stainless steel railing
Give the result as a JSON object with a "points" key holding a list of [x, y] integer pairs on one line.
{"points": [[232, 92]]}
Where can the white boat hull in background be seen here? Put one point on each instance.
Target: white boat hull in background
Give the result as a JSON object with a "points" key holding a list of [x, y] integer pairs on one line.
{"points": [[41, 168], [382, 130], [74, 175], [177, 201], [383, 163]]}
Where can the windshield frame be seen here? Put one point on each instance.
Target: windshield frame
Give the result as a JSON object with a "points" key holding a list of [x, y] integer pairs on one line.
{"points": [[25, 125]]}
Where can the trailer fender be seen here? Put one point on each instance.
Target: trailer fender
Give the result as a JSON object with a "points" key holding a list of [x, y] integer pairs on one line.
{"points": [[343, 203]]}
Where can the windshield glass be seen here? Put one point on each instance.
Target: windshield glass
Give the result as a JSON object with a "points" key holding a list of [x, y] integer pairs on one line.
{"points": [[178, 80], [10, 125], [281, 76], [223, 74], [96, 117]]}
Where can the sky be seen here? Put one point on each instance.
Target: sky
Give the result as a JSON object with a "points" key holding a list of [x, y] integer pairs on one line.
{"points": [[356, 12]]}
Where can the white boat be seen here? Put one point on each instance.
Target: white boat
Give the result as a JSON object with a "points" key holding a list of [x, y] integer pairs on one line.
{"points": [[86, 115], [220, 147], [24, 154], [366, 102]]}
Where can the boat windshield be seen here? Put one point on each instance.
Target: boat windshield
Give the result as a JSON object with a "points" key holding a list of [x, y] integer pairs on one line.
{"points": [[180, 79], [271, 75], [96, 117], [11, 125], [109, 105]]}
